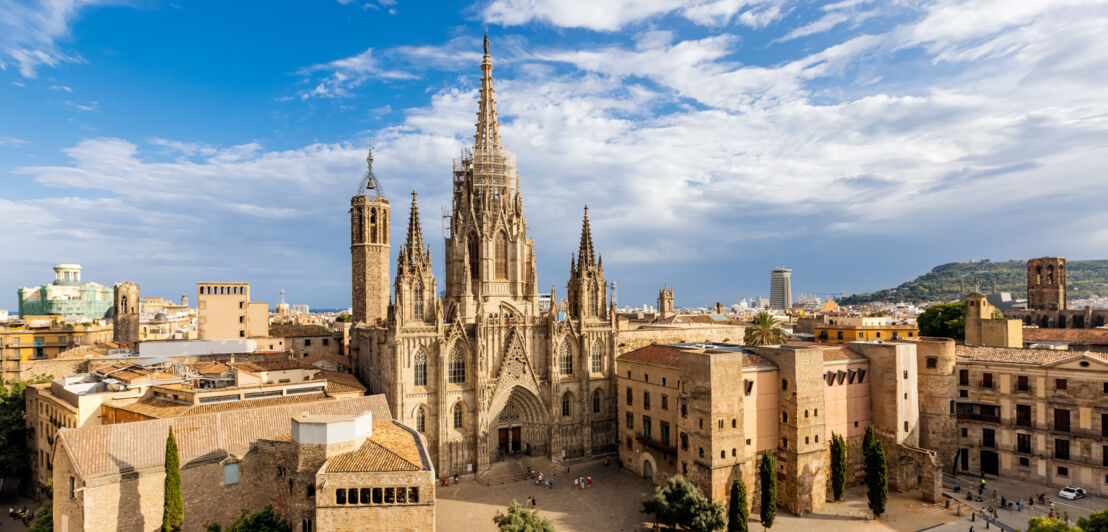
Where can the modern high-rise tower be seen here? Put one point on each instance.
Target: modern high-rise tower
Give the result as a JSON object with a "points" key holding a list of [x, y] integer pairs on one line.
{"points": [[780, 289]]}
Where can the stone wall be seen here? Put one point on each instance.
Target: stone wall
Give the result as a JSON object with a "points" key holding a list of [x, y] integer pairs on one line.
{"points": [[938, 387], [419, 516], [632, 339]]}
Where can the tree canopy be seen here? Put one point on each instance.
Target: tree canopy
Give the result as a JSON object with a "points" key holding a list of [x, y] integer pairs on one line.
{"points": [[264, 521], [173, 509], [764, 330], [1096, 522], [946, 320], [838, 466], [14, 459], [767, 472], [1049, 524], [738, 511], [877, 472], [679, 503], [520, 519]]}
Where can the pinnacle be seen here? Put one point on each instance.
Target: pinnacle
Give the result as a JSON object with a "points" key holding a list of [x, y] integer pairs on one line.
{"points": [[414, 243], [585, 254]]}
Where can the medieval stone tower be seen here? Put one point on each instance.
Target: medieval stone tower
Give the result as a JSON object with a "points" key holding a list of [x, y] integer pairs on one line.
{"points": [[665, 303], [369, 249], [1046, 283], [125, 323]]}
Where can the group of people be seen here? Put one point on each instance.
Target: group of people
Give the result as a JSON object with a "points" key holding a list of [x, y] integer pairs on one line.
{"points": [[446, 480], [990, 513], [20, 513], [582, 482]]}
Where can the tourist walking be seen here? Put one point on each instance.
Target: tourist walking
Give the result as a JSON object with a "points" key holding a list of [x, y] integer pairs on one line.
{"points": [[590, 481]]}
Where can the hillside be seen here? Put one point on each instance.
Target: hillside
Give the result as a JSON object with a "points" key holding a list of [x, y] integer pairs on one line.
{"points": [[1085, 278]]}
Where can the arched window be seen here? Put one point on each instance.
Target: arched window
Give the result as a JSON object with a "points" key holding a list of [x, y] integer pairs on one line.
{"points": [[474, 258], [359, 229], [457, 368], [565, 358], [596, 359], [373, 226], [596, 401], [567, 398], [594, 297], [458, 415], [417, 301], [420, 369], [501, 257], [420, 419]]}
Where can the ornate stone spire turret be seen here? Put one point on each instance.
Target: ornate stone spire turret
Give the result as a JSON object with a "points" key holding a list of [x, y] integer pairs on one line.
{"points": [[413, 246], [488, 128], [369, 180], [585, 253]]}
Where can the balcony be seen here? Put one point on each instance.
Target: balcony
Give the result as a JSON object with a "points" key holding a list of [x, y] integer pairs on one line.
{"points": [[962, 416], [657, 445]]}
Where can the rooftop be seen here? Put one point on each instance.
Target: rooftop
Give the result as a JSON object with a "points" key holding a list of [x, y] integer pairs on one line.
{"points": [[391, 448], [1011, 355]]}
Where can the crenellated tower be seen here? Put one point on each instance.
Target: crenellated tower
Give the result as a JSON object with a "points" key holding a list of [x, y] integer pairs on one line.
{"points": [[586, 288], [489, 258], [415, 284], [369, 249]]}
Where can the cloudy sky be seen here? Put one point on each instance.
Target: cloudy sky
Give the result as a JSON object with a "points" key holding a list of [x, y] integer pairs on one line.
{"points": [[859, 143]]}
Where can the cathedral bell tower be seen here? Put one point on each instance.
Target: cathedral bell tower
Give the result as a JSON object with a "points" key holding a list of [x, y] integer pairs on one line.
{"points": [[586, 288], [369, 249], [489, 258], [416, 299]]}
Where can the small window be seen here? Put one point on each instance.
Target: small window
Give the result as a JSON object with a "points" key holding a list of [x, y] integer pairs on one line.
{"points": [[364, 495], [748, 441], [905, 426], [311, 490], [734, 423], [663, 381], [722, 454], [230, 474], [413, 495], [1060, 384], [1063, 471], [932, 362], [701, 449], [905, 374], [390, 495], [784, 443], [784, 417], [784, 384], [1025, 461], [340, 496], [733, 452], [720, 423], [378, 495], [307, 342], [965, 433]]}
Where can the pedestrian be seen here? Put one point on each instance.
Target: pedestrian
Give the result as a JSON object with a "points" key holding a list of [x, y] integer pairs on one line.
{"points": [[575, 483], [1019, 505], [1003, 502], [986, 524], [455, 478], [590, 481], [973, 517], [540, 479], [971, 529]]}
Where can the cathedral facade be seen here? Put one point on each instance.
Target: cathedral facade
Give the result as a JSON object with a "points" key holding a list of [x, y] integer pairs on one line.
{"points": [[484, 372]]}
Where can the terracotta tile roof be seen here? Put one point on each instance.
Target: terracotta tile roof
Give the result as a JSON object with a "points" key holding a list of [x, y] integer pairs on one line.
{"points": [[391, 448], [112, 449], [267, 365], [341, 382], [654, 354], [1020, 356], [1073, 336], [296, 330], [751, 360], [211, 368], [157, 408], [342, 361]]}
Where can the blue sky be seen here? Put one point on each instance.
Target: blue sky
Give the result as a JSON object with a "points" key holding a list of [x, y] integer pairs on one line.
{"points": [[859, 143]]}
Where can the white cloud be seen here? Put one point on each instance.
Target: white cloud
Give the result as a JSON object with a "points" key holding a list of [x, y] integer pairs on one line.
{"points": [[11, 141], [343, 75], [612, 16], [29, 32]]}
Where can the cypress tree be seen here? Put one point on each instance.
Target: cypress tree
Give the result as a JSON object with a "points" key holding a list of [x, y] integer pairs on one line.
{"points": [[738, 513], [838, 466], [877, 472], [768, 473], [173, 514]]}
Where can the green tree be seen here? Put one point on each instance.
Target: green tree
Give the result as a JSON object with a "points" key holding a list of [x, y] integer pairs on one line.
{"points": [[764, 330], [1096, 522], [838, 466], [44, 518], [344, 318], [173, 509], [264, 521], [738, 512], [679, 502], [945, 320], [767, 470], [877, 472], [1048, 524], [520, 519]]}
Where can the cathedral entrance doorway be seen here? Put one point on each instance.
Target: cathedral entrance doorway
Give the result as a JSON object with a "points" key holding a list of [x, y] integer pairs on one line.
{"points": [[520, 428]]}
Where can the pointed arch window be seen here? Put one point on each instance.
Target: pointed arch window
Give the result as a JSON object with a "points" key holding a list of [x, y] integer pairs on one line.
{"points": [[459, 415], [596, 358], [373, 226], [420, 420], [565, 358], [594, 297], [420, 369], [567, 400], [596, 401], [457, 367], [474, 258], [501, 257], [417, 301]]}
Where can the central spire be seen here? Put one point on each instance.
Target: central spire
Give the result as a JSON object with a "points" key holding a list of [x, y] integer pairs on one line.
{"points": [[414, 245], [585, 254], [488, 130]]}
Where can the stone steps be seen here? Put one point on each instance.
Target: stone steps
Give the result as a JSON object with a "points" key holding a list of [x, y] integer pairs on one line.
{"points": [[515, 469]]}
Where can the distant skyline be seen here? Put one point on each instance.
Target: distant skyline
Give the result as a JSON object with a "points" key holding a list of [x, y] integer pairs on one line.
{"points": [[857, 143]]}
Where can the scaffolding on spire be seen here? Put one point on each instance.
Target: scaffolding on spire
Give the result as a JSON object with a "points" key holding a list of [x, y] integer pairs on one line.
{"points": [[493, 167], [369, 180]]}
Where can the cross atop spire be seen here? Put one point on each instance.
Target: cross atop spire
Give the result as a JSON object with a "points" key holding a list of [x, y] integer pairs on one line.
{"points": [[369, 181], [414, 245], [488, 129], [585, 254]]}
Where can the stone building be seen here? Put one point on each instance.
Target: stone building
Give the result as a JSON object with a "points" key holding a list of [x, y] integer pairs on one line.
{"points": [[224, 311], [665, 303], [481, 372], [340, 465], [45, 338], [846, 329], [1034, 414], [707, 411], [1046, 299], [125, 313], [984, 329]]}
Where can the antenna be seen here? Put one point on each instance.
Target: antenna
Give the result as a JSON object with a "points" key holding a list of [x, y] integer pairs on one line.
{"points": [[369, 181]]}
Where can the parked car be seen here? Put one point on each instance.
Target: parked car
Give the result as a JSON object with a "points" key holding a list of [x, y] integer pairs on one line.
{"points": [[1071, 493]]}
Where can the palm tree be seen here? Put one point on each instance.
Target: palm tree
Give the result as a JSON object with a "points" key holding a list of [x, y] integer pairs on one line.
{"points": [[764, 330]]}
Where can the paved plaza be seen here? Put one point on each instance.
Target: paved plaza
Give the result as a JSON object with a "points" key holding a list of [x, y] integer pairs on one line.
{"points": [[613, 504]]}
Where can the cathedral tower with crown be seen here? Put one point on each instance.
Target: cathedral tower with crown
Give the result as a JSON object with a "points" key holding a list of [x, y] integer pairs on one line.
{"points": [[482, 372]]}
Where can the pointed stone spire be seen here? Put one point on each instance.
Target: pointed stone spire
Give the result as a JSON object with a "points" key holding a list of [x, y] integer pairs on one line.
{"points": [[413, 246], [488, 129], [585, 254]]}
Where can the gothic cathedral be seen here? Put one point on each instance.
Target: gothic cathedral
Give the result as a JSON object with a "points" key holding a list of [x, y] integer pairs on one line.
{"points": [[485, 372]]}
